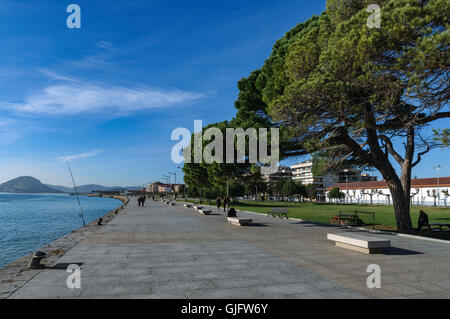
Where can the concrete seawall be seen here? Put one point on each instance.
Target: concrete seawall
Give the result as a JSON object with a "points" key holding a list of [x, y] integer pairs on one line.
{"points": [[15, 274]]}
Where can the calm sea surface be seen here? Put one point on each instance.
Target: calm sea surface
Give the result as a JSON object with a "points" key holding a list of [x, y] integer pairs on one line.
{"points": [[30, 221]]}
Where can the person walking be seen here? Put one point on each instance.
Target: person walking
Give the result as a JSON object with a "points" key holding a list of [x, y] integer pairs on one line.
{"points": [[226, 203], [218, 201], [143, 200], [139, 200]]}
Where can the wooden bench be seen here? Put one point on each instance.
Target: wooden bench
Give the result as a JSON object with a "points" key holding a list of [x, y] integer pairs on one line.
{"points": [[236, 221], [280, 212], [360, 243], [433, 226], [198, 207], [352, 219], [172, 203], [343, 220], [188, 205]]}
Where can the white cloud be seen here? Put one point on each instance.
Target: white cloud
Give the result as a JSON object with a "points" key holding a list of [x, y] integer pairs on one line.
{"points": [[104, 44], [97, 61], [9, 131], [78, 156], [76, 98], [56, 76]]}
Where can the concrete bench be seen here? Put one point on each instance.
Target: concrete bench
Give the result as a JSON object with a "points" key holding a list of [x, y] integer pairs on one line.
{"points": [[236, 221], [205, 211], [188, 205], [360, 243]]}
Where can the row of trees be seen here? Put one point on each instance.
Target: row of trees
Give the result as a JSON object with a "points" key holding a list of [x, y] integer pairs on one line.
{"points": [[360, 95], [253, 186], [287, 188]]}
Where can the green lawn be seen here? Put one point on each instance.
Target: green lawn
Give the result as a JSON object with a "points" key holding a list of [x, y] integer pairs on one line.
{"points": [[384, 218]]}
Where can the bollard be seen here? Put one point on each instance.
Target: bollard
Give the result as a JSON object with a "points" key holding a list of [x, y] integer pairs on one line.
{"points": [[35, 262]]}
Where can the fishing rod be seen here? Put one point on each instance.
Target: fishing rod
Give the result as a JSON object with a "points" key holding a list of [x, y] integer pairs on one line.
{"points": [[76, 192]]}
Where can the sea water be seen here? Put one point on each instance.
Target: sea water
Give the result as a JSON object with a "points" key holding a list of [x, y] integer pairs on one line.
{"points": [[30, 221]]}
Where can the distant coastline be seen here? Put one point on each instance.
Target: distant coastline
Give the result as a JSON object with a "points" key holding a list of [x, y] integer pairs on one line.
{"points": [[31, 185]]}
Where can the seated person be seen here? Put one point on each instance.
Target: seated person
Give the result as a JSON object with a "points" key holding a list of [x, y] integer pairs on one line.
{"points": [[423, 220], [231, 213]]}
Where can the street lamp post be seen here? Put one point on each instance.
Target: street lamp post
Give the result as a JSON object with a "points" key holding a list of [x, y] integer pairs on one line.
{"points": [[438, 168], [175, 183], [184, 187], [346, 187], [175, 174], [167, 178]]}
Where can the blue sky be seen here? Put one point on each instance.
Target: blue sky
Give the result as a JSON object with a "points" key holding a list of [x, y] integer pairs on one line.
{"points": [[108, 95]]}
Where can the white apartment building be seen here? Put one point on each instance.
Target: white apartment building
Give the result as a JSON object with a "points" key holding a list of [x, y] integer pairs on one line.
{"points": [[424, 192], [302, 172]]}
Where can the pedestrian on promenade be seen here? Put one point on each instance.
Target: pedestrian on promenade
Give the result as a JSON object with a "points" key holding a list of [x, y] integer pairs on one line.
{"points": [[218, 201], [143, 200], [226, 203], [139, 200]]}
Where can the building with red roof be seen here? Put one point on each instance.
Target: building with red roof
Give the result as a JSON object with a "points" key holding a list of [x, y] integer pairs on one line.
{"points": [[424, 191]]}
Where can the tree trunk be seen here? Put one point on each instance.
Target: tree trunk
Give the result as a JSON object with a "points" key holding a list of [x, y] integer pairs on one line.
{"points": [[401, 207], [400, 186], [400, 192]]}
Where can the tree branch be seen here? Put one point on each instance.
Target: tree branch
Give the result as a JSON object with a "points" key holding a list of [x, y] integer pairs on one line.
{"points": [[391, 150], [424, 120], [357, 149], [419, 155]]}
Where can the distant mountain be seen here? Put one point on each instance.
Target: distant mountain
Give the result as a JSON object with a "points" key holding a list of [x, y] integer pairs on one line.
{"points": [[26, 184], [92, 187]]}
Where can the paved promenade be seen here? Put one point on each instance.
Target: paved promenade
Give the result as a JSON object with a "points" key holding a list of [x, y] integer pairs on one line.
{"points": [[173, 252]]}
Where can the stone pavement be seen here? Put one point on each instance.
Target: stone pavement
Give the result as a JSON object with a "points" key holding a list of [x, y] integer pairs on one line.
{"points": [[161, 251]]}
